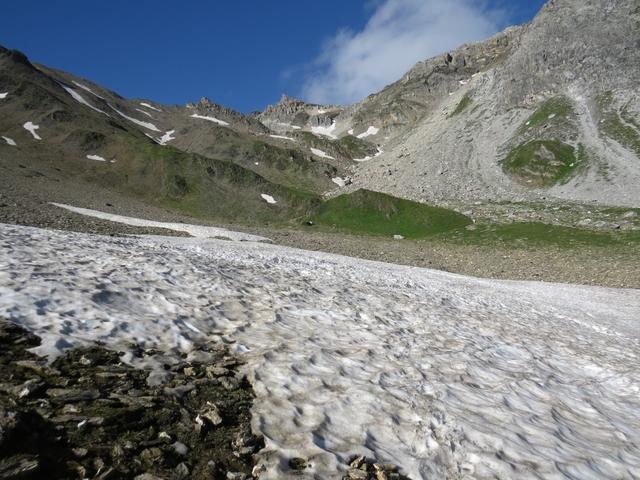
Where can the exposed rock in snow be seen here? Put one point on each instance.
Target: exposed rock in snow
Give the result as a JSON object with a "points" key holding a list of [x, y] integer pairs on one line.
{"points": [[269, 199], [167, 137], [98, 158], [282, 137], [3, 95], [80, 99], [199, 231], [211, 119], [150, 106], [326, 131], [320, 153], [370, 131], [435, 372], [10, 141], [84, 87], [147, 125], [31, 128]]}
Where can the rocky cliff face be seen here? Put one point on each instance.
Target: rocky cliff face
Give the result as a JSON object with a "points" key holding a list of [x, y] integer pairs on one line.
{"points": [[549, 109]]}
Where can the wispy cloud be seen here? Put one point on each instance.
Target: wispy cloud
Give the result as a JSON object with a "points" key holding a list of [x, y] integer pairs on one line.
{"points": [[398, 34]]}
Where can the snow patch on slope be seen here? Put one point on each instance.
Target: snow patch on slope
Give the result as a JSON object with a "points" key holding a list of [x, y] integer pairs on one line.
{"points": [[3, 95], [326, 131], [10, 141], [282, 137], [167, 137], [80, 99], [84, 87], [97, 158], [269, 199], [321, 153], [147, 125], [199, 231], [370, 131], [211, 119], [31, 128], [150, 106], [144, 112]]}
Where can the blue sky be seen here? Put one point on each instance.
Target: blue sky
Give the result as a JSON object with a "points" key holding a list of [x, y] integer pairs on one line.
{"points": [[245, 53]]}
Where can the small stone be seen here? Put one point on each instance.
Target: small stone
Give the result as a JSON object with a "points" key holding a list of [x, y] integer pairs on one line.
{"points": [[297, 463], [80, 452], [165, 437], [180, 448], [189, 371], [211, 414], [630, 214], [357, 462], [182, 471], [357, 474], [258, 470], [236, 476]]}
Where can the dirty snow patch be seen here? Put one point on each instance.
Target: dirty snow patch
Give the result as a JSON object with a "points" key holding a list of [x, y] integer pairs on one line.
{"points": [[147, 125], [150, 106], [80, 99], [31, 128], [10, 141], [211, 119], [269, 199], [84, 87], [97, 158], [370, 131], [282, 137], [320, 153], [198, 231], [167, 137]]}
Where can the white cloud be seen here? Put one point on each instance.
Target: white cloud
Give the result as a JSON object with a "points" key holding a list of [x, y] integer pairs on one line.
{"points": [[399, 33]]}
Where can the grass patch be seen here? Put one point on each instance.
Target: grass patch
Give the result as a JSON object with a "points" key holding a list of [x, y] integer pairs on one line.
{"points": [[462, 105], [533, 234], [612, 125], [542, 163], [556, 109], [376, 213]]}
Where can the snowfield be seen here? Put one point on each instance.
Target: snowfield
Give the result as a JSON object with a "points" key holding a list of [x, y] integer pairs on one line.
{"points": [[97, 158], [80, 99], [444, 375], [147, 125], [10, 141]]}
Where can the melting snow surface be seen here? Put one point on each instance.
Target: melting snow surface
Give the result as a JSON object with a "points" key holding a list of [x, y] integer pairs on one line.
{"points": [[3, 95], [96, 157], [350, 132], [296, 127], [370, 131], [167, 137], [148, 125], [268, 199], [282, 137], [200, 231], [84, 87], [150, 106], [326, 131], [445, 375], [80, 99], [320, 153], [211, 119], [10, 141], [31, 128]]}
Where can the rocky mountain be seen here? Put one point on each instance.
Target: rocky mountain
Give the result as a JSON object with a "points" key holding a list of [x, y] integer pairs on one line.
{"points": [[547, 111]]}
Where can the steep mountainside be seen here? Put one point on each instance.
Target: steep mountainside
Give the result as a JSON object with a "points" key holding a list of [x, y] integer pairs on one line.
{"points": [[550, 109]]}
